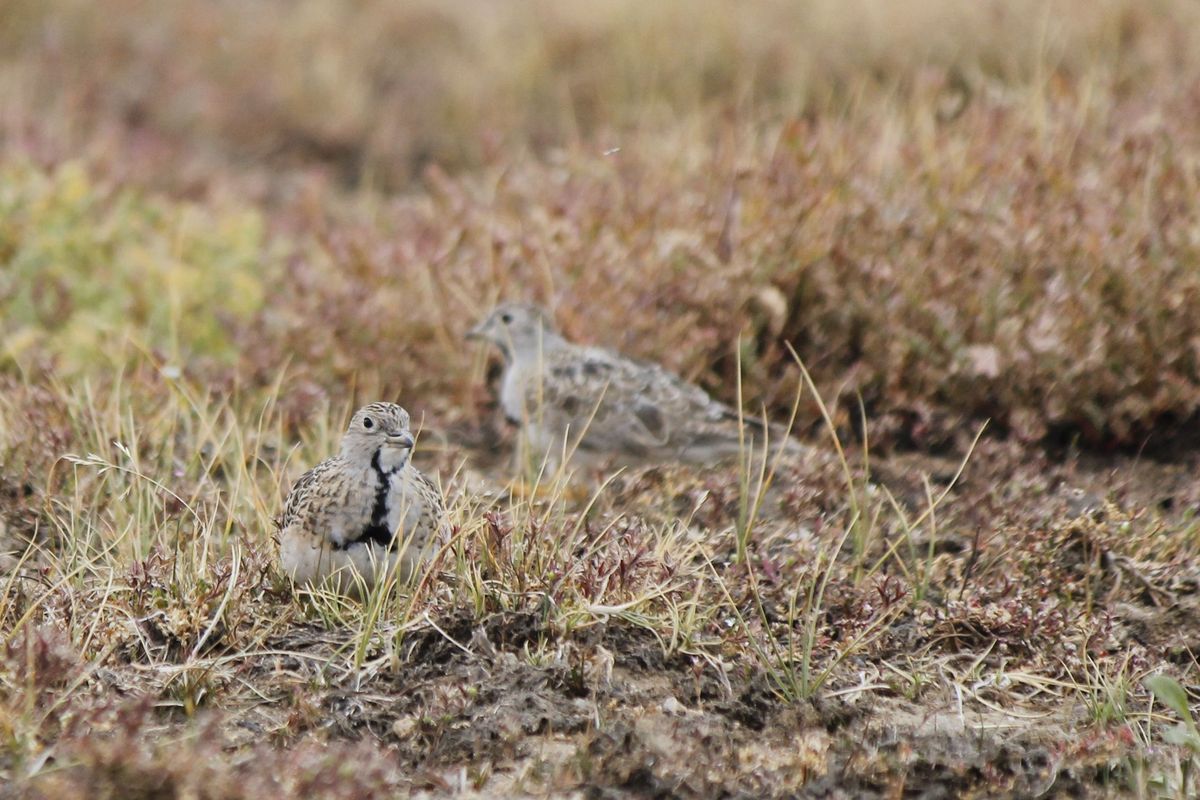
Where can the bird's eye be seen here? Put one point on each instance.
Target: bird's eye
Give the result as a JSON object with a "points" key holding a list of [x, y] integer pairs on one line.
{"points": [[368, 423], [506, 318]]}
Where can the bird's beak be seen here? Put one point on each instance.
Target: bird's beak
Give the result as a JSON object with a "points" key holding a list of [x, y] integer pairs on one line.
{"points": [[403, 439], [476, 332]]}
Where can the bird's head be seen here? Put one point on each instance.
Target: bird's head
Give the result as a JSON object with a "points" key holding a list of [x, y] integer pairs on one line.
{"points": [[518, 329], [378, 428]]}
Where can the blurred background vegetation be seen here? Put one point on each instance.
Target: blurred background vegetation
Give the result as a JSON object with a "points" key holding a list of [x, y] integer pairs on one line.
{"points": [[952, 210]]}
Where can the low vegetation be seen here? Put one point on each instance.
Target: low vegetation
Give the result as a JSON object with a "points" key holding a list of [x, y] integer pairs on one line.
{"points": [[965, 239]]}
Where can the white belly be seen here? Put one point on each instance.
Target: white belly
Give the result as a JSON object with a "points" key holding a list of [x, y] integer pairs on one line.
{"points": [[311, 562], [542, 437], [512, 393]]}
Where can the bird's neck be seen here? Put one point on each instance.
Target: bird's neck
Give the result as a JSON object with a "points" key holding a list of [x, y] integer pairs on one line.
{"points": [[531, 353], [388, 460]]}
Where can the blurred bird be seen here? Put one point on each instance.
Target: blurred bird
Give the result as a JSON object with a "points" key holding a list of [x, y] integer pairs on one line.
{"points": [[364, 512], [607, 407]]}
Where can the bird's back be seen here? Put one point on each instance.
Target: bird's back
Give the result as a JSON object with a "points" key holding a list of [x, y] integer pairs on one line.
{"points": [[627, 410]]}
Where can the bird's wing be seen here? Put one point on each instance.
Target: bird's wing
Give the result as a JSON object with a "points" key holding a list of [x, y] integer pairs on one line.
{"points": [[705, 425], [626, 405], [640, 409], [298, 497], [431, 499]]}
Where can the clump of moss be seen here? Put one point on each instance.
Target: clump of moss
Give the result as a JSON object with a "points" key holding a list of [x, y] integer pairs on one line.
{"points": [[90, 274]]}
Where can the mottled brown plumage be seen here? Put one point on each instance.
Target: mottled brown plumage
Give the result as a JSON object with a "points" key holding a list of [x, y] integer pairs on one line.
{"points": [[365, 511], [609, 407]]}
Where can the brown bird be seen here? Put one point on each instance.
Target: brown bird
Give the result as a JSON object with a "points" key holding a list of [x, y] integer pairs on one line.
{"points": [[365, 512], [608, 407]]}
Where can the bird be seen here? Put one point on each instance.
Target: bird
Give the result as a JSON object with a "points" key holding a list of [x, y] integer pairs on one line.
{"points": [[366, 512], [598, 407]]}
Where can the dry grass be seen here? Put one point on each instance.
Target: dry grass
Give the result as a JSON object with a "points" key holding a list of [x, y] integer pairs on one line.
{"points": [[221, 229], [375, 90]]}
